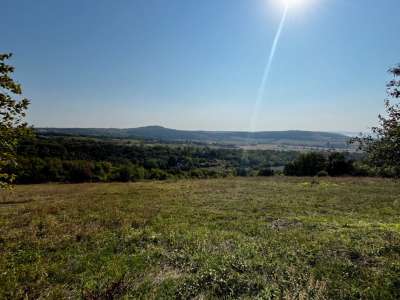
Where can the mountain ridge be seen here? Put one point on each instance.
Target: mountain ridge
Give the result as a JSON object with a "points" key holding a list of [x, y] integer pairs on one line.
{"points": [[155, 132]]}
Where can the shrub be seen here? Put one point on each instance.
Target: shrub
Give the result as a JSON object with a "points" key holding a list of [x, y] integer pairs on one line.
{"points": [[158, 174], [338, 165], [151, 164], [123, 174], [129, 172], [78, 171], [266, 172], [31, 170], [243, 172], [307, 164], [322, 173], [102, 171], [197, 173]]}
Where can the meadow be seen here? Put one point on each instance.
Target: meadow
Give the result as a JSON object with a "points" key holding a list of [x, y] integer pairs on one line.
{"points": [[248, 238]]}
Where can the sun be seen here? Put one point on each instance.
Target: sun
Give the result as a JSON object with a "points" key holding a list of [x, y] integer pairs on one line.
{"points": [[292, 3], [294, 6]]}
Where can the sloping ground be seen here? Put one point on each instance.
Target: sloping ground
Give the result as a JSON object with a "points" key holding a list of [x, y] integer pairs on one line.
{"points": [[233, 238]]}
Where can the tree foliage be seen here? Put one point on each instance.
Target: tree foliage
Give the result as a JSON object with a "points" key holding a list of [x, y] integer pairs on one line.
{"points": [[338, 165], [12, 113], [77, 159], [307, 164], [383, 147], [320, 164]]}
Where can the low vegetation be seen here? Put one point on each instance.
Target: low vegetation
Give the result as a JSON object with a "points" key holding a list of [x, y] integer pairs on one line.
{"points": [[258, 238]]}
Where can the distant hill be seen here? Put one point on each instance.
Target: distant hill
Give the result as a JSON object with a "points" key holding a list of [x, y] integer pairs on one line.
{"points": [[291, 137]]}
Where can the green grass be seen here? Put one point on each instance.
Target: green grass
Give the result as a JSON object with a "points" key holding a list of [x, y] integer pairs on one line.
{"points": [[276, 238]]}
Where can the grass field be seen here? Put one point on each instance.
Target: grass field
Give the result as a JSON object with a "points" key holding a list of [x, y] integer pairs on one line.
{"points": [[275, 238]]}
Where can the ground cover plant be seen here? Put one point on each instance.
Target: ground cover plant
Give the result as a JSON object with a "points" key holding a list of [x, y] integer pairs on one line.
{"points": [[265, 238]]}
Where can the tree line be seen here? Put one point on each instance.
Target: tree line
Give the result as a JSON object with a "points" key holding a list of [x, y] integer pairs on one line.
{"points": [[76, 159], [73, 159], [328, 164]]}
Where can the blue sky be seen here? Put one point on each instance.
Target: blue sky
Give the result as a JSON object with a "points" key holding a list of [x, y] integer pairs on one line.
{"points": [[192, 64]]}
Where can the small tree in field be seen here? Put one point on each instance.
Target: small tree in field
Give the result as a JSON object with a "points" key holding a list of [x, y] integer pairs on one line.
{"points": [[12, 113], [383, 149]]}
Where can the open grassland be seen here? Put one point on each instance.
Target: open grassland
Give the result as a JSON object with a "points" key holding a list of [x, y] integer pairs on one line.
{"points": [[275, 238]]}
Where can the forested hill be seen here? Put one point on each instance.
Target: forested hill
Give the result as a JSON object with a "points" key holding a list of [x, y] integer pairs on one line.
{"points": [[292, 137]]}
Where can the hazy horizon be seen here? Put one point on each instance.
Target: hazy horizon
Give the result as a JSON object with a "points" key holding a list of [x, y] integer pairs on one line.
{"points": [[346, 133], [198, 66]]}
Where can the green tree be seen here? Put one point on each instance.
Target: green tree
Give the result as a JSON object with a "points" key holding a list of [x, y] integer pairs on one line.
{"points": [[307, 164], [338, 165], [12, 124], [266, 172], [383, 147]]}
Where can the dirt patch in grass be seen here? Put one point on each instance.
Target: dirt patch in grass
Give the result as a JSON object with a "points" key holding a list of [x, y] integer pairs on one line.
{"points": [[167, 273], [281, 224]]}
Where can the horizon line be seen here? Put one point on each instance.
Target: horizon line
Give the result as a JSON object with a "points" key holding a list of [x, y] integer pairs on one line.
{"points": [[205, 130]]}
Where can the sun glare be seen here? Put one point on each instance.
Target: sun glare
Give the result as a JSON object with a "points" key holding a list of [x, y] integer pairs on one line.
{"points": [[295, 7], [293, 3]]}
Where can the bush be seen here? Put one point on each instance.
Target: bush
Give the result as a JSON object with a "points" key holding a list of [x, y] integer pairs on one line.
{"points": [[338, 165], [389, 171], [197, 173], [123, 174], [362, 169], [129, 172], [53, 170], [102, 171], [31, 170], [266, 172], [158, 174], [307, 164], [151, 164], [78, 171], [322, 173], [243, 172]]}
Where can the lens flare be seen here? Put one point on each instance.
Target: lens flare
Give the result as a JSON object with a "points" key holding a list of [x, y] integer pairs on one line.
{"points": [[267, 70]]}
